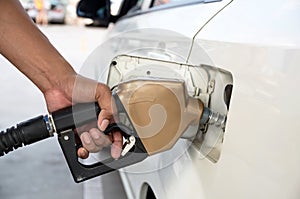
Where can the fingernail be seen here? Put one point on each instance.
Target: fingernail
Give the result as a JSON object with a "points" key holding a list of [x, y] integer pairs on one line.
{"points": [[104, 124]]}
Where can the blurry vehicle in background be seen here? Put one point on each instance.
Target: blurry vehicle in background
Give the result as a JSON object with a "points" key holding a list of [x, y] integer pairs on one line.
{"points": [[56, 10], [115, 7], [104, 12]]}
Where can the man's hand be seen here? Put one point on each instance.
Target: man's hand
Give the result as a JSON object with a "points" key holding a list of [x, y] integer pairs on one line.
{"points": [[85, 90]]}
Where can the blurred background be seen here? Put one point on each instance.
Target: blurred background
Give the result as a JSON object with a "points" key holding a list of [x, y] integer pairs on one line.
{"points": [[62, 11], [58, 11]]}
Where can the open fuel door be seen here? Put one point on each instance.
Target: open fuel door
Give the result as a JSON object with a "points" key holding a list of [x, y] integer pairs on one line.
{"points": [[202, 83]]}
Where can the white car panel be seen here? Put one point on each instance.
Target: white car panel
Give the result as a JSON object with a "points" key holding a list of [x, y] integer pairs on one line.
{"points": [[171, 20], [258, 43], [271, 23], [182, 20], [260, 46]]}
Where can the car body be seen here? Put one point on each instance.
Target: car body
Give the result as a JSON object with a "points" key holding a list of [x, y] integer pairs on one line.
{"points": [[56, 10], [255, 48]]}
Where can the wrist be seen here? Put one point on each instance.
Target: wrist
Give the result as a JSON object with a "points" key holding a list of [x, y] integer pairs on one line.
{"points": [[59, 94], [60, 77]]}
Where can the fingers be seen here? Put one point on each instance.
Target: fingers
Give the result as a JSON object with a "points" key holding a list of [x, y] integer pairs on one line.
{"points": [[106, 117], [117, 145], [94, 140], [104, 124], [105, 101]]}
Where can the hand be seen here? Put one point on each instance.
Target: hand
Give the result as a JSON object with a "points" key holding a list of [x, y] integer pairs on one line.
{"points": [[77, 89]]}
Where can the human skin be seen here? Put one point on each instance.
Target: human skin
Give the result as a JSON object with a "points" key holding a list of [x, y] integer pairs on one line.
{"points": [[27, 48]]}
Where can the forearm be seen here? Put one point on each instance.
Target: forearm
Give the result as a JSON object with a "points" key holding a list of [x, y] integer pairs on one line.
{"points": [[25, 46]]}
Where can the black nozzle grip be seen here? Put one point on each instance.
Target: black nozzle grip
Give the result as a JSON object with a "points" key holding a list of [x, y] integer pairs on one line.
{"points": [[75, 116], [25, 133]]}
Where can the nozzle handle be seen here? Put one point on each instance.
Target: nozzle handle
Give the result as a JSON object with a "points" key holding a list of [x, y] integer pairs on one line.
{"points": [[75, 116], [40, 127]]}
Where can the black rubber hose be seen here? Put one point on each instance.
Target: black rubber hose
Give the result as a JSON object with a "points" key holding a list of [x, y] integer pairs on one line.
{"points": [[23, 134], [36, 129]]}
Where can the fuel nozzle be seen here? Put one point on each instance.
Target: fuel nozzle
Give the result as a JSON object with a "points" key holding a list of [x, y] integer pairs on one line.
{"points": [[160, 111]]}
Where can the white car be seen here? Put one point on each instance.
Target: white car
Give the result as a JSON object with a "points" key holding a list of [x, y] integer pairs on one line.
{"points": [[241, 58]]}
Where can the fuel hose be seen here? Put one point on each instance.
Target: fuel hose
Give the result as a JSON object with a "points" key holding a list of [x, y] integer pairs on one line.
{"points": [[42, 127]]}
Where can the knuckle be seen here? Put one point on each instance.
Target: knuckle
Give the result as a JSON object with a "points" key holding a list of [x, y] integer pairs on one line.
{"points": [[100, 142]]}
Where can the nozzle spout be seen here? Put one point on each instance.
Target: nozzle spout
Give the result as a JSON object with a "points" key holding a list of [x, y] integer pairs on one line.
{"points": [[212, 118]]}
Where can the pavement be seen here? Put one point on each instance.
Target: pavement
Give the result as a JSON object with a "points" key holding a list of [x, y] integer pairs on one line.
{"points": [[39, 170]]}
